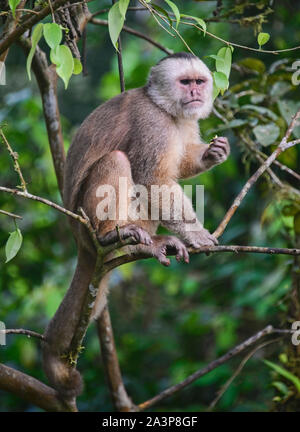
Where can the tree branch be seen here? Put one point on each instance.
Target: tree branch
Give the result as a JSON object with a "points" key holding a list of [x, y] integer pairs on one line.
{"points": [[47, 81], [134, 33], [30, 389], [120, 398], [14, 156], [28, 333], [12, 215], [7, 41], [44, 201], [211, 366], [124, 259], [284, 145], [238, 371]]}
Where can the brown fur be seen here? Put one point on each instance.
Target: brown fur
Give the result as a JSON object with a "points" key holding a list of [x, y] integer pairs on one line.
{"points": [[132, 136]]}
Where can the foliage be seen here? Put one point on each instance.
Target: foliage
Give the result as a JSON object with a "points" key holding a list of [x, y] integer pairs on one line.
{"points": [[168, 322]]}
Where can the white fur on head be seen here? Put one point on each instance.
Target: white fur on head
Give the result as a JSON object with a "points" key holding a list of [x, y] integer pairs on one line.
{"points": [[164, 92]]}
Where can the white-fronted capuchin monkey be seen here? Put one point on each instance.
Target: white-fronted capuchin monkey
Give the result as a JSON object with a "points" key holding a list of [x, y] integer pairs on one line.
{"points": [[150, 136]]}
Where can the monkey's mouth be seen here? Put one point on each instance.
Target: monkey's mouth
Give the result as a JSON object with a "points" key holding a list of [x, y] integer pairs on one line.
{"points": [[194, 101]]}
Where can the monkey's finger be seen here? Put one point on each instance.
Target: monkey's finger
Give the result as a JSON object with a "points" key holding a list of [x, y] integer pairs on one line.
{"points": [[163, 259], [221, 139], [137, 233], [220, 146], [217, 152], [182, 254], [213, 239]]}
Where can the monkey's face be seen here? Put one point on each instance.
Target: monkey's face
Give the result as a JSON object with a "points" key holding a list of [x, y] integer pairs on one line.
{"points": [[191, 89], [183, 87]]}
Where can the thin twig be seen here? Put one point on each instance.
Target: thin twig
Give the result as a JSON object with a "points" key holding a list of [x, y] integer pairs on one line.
{"points": [[134, 33], [14, 156], [131, 9], [238, 45], [52, 11], [238, 371], [12, 215], [28, 333], [44, 201], [211, 366], [284, 145], [28, 10], [120, 61]]}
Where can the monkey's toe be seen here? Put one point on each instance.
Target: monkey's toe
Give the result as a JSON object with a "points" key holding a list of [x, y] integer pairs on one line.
{"points": [[137, 233], [201, 238], [169, 245]]}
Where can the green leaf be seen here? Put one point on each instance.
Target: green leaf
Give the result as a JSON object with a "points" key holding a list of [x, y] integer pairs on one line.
{"points": [[221, 80], [280, 386], [253, 64], [175, 11], [62, 57], [13, 244], [215, 57], [283, 358], [216, 91], [263, 38], [266, 134], [77, 66], [287, 109], [223, 61], [52, 34], [229, 125], [13, 5], [164, 12], [123, 5], [199, 21], [286, 374], [261, 110], [115, 23], [36, 36]]}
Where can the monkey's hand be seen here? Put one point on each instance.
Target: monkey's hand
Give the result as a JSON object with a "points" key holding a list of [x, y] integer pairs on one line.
{"points": [[139, 235], [168, 245], [196, 239], [217, 152]]}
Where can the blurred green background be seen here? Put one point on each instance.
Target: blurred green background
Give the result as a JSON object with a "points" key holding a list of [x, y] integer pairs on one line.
{"points": [[168, 322]]}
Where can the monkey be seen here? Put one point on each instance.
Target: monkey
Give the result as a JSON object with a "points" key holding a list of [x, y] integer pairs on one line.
{"points": [[149, 136]]}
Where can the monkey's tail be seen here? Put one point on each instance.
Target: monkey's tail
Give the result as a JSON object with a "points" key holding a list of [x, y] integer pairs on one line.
{"points": [[64, 377], [58, 366]]}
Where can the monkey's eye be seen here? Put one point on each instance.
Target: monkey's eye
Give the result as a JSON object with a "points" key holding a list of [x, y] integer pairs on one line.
{"points": [[199, 81], [185, 81]]}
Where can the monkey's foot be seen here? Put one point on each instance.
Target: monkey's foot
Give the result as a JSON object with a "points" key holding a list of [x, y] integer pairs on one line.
{"points": [[138, 234], [168, 245], [196, 239]]}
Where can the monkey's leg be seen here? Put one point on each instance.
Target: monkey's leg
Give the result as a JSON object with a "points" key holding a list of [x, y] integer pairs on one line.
{"points": [[109, 215]]}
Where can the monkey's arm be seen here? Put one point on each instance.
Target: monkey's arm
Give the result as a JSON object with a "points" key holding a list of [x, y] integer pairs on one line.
{"points": [[202, 157]]}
